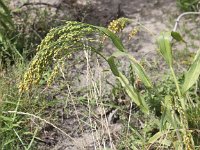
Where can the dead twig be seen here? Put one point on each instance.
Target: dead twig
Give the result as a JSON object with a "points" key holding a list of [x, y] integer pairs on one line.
{"points": [[181, 15]]}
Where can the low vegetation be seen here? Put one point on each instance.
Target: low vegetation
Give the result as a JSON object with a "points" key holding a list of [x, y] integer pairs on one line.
{"points": [[188, 5]]}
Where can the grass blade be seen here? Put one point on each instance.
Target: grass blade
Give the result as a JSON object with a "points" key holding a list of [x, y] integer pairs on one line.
{"points": [[133, 94], [155, 137], [115, 39], [164, 47], [192, 75], [113, 67], [140, 72], [137, 68], [130, 90]]}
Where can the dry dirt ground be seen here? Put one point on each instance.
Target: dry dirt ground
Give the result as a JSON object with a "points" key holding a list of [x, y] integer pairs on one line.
{"points": [[154, 14], [86, 128]]}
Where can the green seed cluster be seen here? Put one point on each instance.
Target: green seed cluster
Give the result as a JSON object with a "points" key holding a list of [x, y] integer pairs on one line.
{"points": [[133, 32], [187, 140], [118, 25], [58, 43], [53, 75]]}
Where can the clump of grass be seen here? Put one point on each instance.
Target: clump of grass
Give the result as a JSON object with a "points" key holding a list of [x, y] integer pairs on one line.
{"points": [[8, 51], [19, 131], [188, 5]]}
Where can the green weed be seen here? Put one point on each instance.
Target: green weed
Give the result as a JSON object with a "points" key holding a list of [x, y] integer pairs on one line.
{"points": [[8, 51], [19, 131], [188, 5]]}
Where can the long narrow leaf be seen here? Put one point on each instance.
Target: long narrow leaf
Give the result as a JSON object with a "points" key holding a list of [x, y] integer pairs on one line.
{"points": [[137, 68], [140, 72], [192, 75], [113, 67], [155, 137], [130, 90], [115, 39], [133, 94], [117, 42], [164, 47]]}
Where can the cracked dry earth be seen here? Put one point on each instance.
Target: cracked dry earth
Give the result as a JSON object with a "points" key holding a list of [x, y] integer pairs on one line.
{"points": [[94, 127]]}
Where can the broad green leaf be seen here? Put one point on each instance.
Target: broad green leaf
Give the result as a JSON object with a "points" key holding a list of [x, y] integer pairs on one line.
{"points": [[166, 142], [115, 39], [164, 47], [177, 36], [192, 75], [112, 65], [137, 68], [140, 72], [133, 147], [117, 42], [155, 137], [133, 94], [130, 90]]}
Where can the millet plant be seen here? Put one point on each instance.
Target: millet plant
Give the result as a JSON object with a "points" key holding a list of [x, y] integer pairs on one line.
{"points": [[72, 37]]}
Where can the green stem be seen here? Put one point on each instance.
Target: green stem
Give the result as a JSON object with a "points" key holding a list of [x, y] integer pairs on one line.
{"points": [[180, 98], [16, 108], [178, 88], [176, 82]]}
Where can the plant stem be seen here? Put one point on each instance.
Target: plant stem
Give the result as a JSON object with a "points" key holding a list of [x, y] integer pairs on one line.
{"points": [[178, 88], [180, 98], [175, 81], [16, 108]]}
